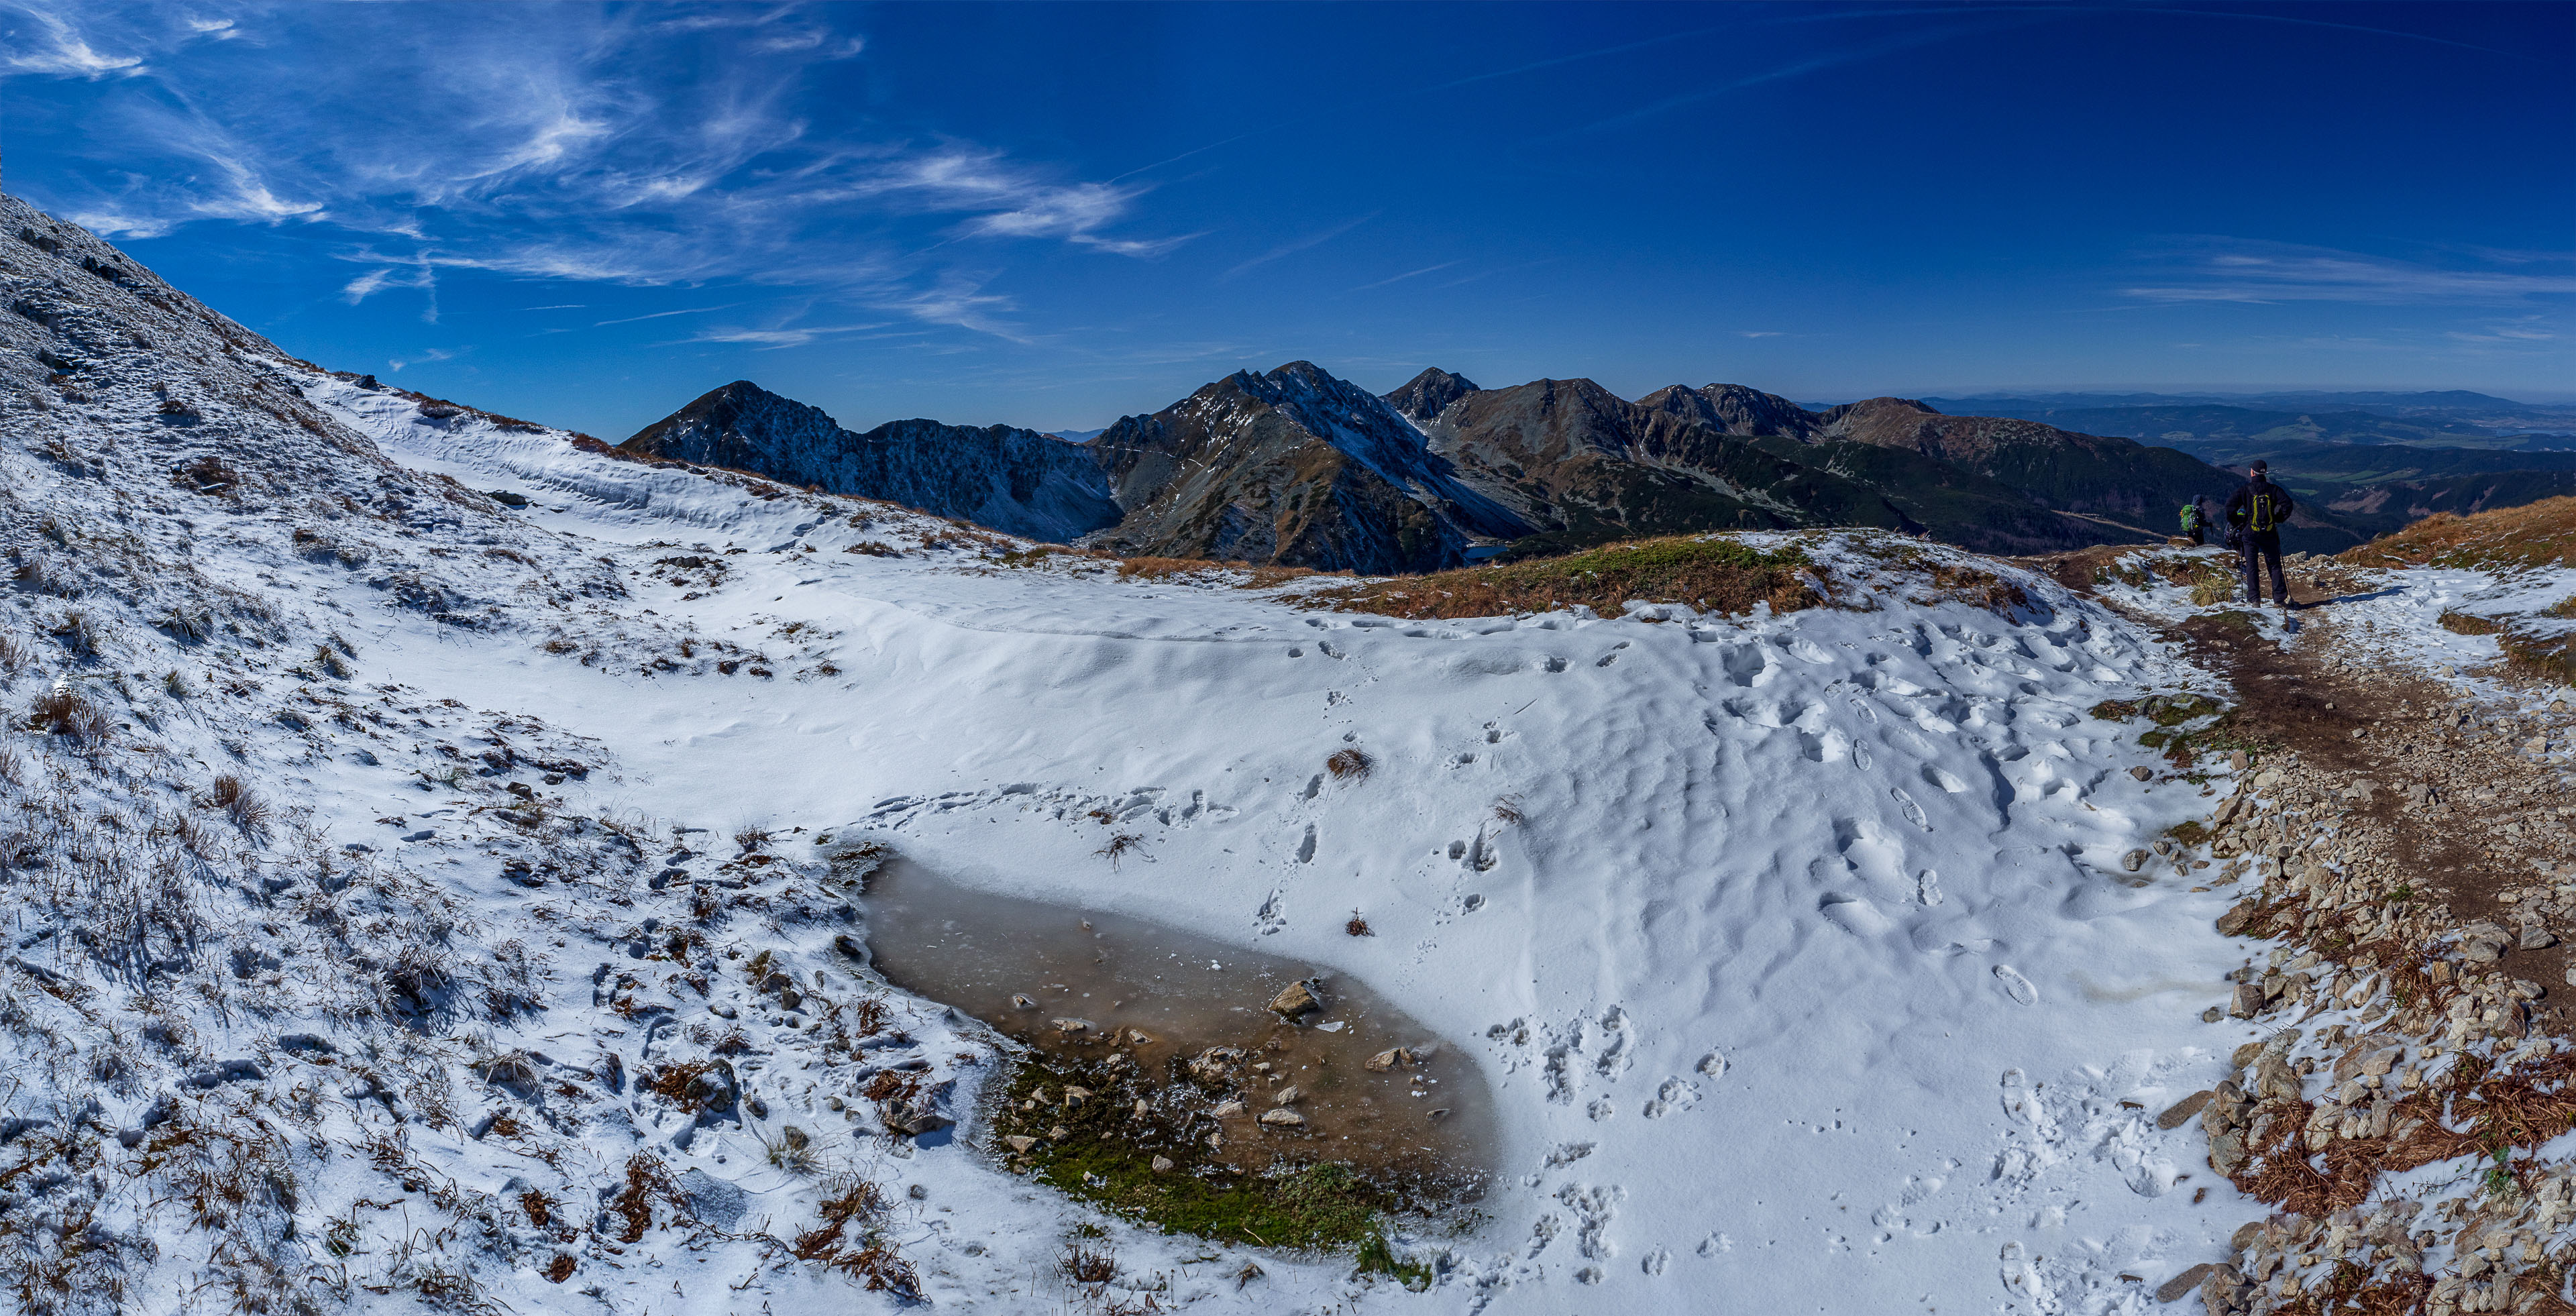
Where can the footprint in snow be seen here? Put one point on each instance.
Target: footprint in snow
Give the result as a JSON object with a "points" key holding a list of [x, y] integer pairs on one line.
{"points": [[1855, 915], [1913, 812], [1927, 887], [2016, 986], [1613, 655]]}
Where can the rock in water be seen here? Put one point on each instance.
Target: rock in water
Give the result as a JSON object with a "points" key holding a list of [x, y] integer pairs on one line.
{"points": [[1298, 998], [1283, 1118], [1216, 1064], [1387, 1059]]}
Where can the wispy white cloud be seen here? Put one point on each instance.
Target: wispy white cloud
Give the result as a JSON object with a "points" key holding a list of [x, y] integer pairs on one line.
{"points": [[556, 142], [771, 339], [1301, 244], [430, 354], [659, 315], [1761, 333], [2520, 333], [2241, 270], [53, 45], [1410, 274], [960, 300]]}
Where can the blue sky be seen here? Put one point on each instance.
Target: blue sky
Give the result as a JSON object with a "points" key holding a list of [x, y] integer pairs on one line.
{"points": [[1051, 215]]}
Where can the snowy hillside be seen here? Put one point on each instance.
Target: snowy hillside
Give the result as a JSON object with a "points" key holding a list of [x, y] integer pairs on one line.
{"points": [[437, 851]]}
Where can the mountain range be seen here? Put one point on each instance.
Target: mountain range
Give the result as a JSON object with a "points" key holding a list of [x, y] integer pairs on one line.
{"points": [[1295, 466]]}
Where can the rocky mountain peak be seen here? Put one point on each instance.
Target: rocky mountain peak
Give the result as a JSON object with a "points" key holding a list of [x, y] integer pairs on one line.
{"points": [[1422, 398], [1882, 410], [1734, 409]]}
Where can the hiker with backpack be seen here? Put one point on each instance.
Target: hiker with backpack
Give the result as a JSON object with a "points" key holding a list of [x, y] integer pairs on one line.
{"points": [[2191, 522], [2255, 515]]}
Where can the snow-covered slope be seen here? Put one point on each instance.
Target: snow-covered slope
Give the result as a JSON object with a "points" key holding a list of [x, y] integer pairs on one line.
{"points": [[1812, 946], [1803, 952]]}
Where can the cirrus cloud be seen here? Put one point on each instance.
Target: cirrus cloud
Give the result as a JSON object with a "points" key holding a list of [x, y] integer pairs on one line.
{"points": [[553, 142]]}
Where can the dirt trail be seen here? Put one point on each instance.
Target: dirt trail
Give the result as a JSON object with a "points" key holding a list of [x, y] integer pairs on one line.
{"points": [[2490, 839], [2401, 858]]}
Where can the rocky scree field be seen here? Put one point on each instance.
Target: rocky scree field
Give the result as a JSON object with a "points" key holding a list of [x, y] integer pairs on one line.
{"points": [[2401, 852]]}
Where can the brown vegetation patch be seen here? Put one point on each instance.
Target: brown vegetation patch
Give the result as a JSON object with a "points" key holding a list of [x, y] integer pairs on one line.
{"points": [[2540, 534], [1247, 575], [1711, 573], [646, 1179]]}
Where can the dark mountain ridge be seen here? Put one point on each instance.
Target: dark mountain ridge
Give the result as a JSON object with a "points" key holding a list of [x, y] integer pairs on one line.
{"points": [[1017, 481], [1295, 466]]}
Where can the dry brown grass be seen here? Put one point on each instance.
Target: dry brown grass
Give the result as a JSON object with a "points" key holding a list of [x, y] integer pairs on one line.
{"points": [[1212, 571], [2540, 534], [646, 1178], [64, 713], [239, 802], [2542, 652], [1712, 573], [1349, 764], [1120, 846]]}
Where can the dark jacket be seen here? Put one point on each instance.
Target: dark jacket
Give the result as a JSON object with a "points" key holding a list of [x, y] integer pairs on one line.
{"points": [[2240, 505]]}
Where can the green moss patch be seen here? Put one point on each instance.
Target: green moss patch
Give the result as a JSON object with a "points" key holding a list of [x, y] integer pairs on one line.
{"points": [[1101, 1148]]}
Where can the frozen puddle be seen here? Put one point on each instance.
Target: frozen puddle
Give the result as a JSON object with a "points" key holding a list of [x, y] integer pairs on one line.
{"points": [[1087, 988]]}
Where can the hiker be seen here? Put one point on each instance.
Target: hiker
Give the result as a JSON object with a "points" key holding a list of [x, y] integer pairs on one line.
{"points": [[2191, 521], [2255, 514]]}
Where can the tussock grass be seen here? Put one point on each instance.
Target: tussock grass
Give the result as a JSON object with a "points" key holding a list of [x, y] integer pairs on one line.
{"points": [[1711, 573], [67, 714], [2541, 534]]}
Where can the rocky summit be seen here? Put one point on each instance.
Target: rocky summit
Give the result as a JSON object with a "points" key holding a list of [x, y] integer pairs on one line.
{"points": [[1016, 481], [1295, 467]]}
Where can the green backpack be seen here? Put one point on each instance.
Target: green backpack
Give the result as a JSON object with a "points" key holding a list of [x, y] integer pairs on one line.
{"points": [[2190, 517]]}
